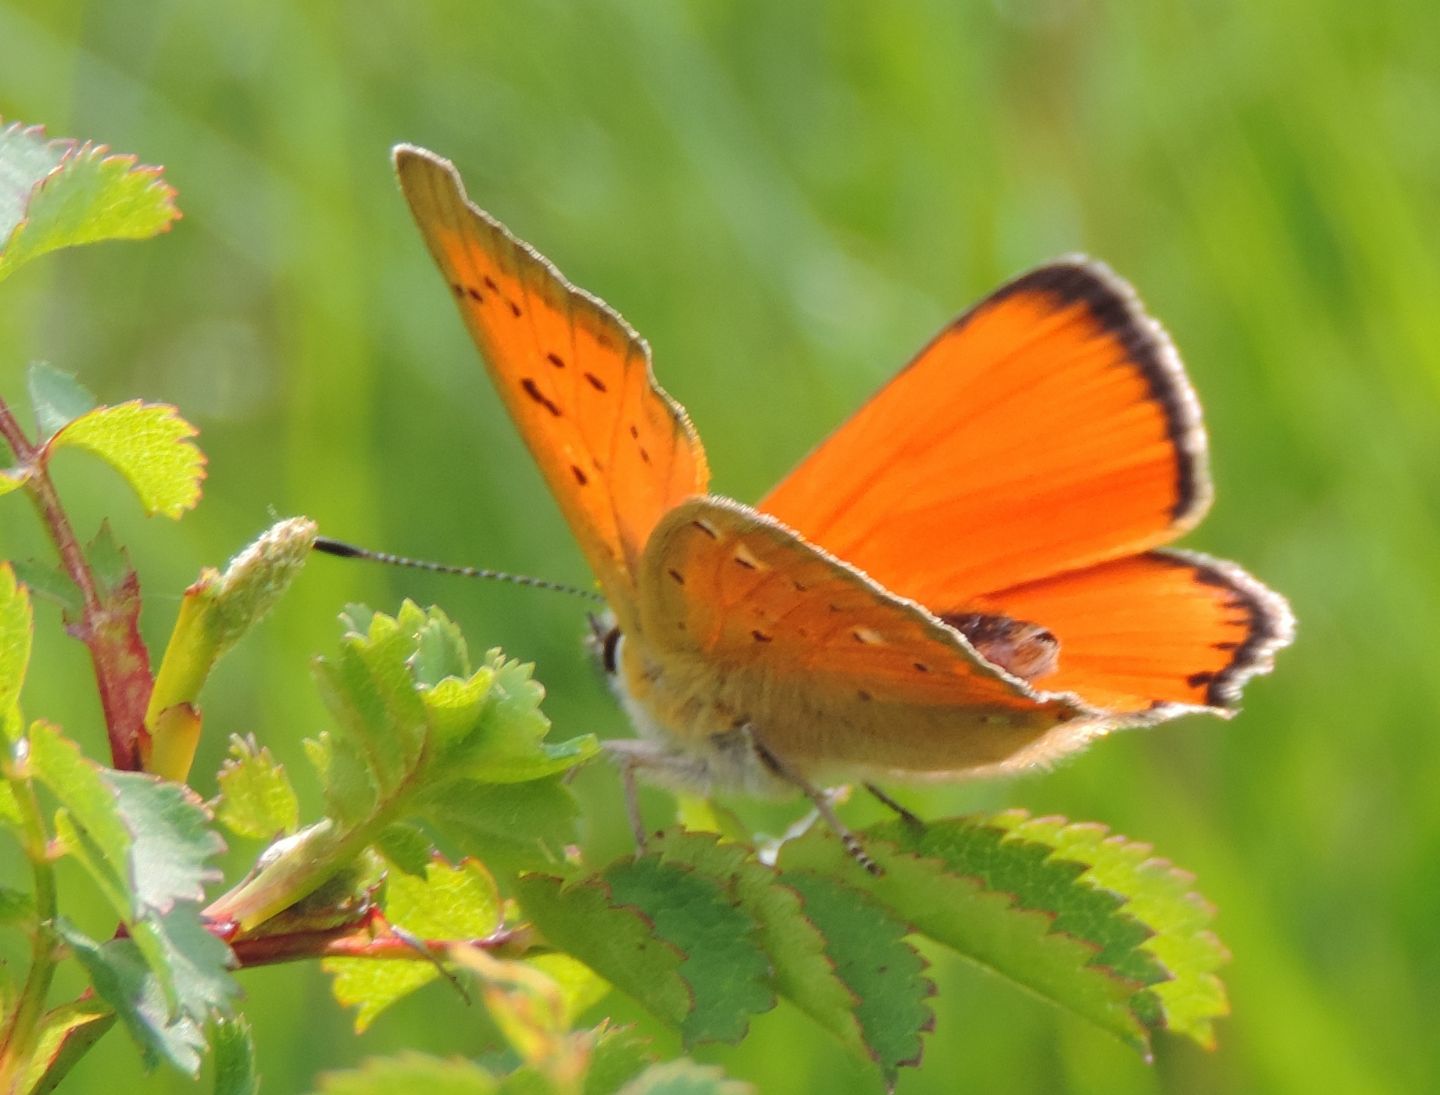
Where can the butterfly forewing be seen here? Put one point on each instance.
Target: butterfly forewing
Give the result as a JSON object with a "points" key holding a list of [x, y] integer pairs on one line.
{"points": [[832, 672], [1049, 428], [615, 450]]}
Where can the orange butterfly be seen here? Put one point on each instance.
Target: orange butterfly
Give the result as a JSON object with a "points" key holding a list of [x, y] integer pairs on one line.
{"points": [[961, 580]]}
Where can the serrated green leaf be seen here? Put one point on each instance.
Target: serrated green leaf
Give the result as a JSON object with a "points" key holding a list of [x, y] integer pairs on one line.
{"points": [[56, 398], [234, 1048], [455, 903], [87, 197], [619, 1055], [26, 157], [172, 840], [147, 443], [66, 1035], [370, 692], [256, 798], [383, 762], [109, 562], [866, 942], [985, 926], [90, 826], [802, 971], [1163, 898], [1031, 874], [407, 848], [440, 652], [684, 1077], [16, 623], [192, 965], [726, 970], [616, 941], [123, 980], [410, 1072], [48, 582], [512, 827]]}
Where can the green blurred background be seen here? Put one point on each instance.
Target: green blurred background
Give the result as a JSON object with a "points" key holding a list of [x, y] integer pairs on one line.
{"points": [[787, 200]]}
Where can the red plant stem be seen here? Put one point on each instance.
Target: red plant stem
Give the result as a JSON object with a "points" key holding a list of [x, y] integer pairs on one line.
{"points": [[109, 625], [348, 942]]}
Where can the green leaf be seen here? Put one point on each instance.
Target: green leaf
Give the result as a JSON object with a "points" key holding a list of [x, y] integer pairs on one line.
{"points": [[256, 799], [619, 1055], [13, 479], [984, 925], [87, 197], [123, 980], [191, 965], [614, 940], [512, 827], [172, 840], [109, 562], [1163, 898], [392, 756], [406, 848], [1036, 879], [728, 974], [802, 970], [684, 1077], [16, 624], [66, 1034], [147, 443], [495, 731], [26, 157], [234, 1049], [455, 903], [866, 942], [49, 582], [57, 398], [90, 827], [410, 1072]]}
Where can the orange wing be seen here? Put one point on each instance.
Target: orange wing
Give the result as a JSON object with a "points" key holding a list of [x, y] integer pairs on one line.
{"points": [[741, 621], [1048, 429], [1146, 635], [616, 451]]}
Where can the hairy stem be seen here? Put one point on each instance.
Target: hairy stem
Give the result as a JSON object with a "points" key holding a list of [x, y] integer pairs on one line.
{"points": [[109, 625]]}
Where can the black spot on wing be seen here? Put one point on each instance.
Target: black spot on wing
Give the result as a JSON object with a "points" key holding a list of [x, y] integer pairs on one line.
{"points": [[533, 391]]}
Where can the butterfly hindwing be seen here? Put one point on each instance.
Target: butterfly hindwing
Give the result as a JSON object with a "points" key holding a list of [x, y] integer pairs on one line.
{"points": [[830, 670], [615, 450], [1144, 636]]}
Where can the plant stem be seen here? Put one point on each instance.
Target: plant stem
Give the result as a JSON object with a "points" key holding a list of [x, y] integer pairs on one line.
{"points": [[18, 1044], [109, 623], [348, 942]]}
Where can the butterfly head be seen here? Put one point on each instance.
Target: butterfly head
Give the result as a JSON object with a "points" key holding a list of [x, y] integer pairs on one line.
{"points": [[603, 641]]}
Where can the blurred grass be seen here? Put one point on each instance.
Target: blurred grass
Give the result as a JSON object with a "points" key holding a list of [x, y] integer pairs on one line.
{"points": [[787, 200]]}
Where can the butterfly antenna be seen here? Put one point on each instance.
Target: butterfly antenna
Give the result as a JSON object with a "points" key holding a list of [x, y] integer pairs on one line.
{"points": [[350, 551]]}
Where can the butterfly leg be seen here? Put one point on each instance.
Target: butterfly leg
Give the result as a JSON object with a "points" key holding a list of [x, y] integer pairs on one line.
{"points": [[905, 815], [628, 756], [821, 802]]}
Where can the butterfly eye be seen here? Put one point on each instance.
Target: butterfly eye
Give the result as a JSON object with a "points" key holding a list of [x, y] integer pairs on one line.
{"points": [[609, 647]]}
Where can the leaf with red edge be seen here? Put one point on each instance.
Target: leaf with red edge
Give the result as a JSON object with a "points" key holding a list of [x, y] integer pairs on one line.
{"points": [[147, 443], [84, 196]]}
